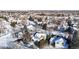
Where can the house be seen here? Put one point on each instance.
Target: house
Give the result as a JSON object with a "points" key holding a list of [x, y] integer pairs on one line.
{"points": [[38, 36], [39, 39], [59, 42]]}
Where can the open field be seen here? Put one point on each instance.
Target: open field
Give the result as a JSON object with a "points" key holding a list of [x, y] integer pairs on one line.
{"points": [[38, 29]]}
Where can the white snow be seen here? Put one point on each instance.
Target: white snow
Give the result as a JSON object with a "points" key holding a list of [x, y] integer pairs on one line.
{"points": [[4, 40], [51, 40], [6, 37]]}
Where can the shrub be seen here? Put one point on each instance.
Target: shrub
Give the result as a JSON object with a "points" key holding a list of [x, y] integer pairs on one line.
{"points": [[13, 24], [5, 18]]}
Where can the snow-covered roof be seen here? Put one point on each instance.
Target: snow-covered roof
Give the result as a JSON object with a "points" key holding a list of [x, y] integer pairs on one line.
{"points": [[39, 36], [61, 43]]}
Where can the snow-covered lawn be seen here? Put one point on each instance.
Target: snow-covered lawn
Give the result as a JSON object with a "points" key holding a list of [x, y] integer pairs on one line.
{"points": [[4, 40]]}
